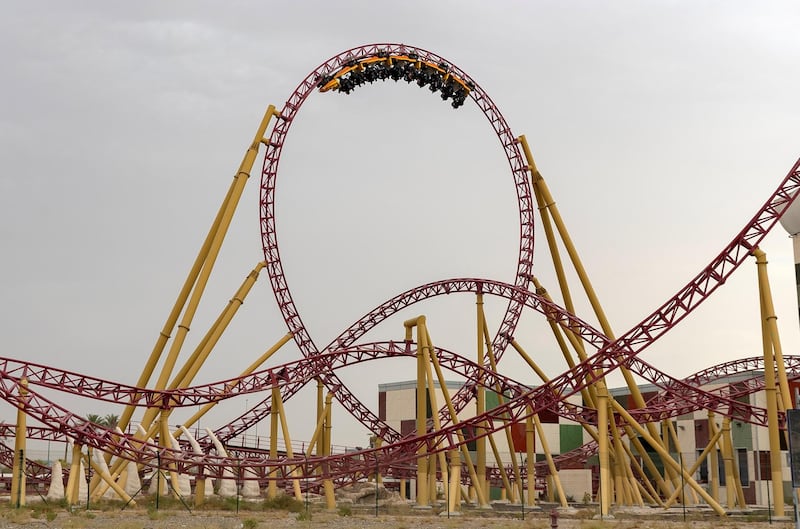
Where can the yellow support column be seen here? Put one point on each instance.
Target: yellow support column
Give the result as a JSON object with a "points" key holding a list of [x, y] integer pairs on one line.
{"points": [[713, 456], [422, 500], [689, 480], [106, 477], [771, 327], [480, 405], [530, 454], [432, 479], [602, 434], [553, 479], [426, 344], [200, 489], [547, 205], [196, 360], [327, 484], [250, 369], [727, 458], [287, 440], [770, 388], [71, 493], [18, 478], [479, 493], [167, 443], [204, 261], [454, 492], [708, 449], [321, 413], [644, 481], [186, 375], [511, 488], [272, 487], [621, 483]]}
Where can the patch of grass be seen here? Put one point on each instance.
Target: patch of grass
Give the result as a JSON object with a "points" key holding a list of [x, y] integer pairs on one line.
{"points": [[345, 510], [17, 515], [304, 516], [106, 505], [154, 514], [249, 523], [164, 502], [283, 502]]}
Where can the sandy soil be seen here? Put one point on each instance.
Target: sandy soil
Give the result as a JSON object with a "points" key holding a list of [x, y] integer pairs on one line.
{"points": [[362, 518]]}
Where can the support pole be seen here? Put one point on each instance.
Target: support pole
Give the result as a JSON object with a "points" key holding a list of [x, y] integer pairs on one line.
{"points": [[250, 369], [708, 449], [713, 456], [512, 490], [602, 434], [665, 457], [298, 494], [327, 483], [727, 458], [555, 481], [426, 344], [71, 494], [104, 475], [480, 493], [547, 205], [204, 261], [166, 442], [18, 478], [530, 454], [771, 324], [480, 403], [200, 489], [454, 494], [272, 487], [422, 500], [770, 388]]}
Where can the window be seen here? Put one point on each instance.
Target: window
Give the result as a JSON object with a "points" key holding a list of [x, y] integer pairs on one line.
{"points": [[744, 471]]}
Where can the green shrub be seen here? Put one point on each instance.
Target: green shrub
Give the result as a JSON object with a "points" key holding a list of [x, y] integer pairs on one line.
{"points": [[283, 502]]}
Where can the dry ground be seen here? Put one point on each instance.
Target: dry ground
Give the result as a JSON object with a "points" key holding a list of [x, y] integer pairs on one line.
{"points": [[171, 516]]}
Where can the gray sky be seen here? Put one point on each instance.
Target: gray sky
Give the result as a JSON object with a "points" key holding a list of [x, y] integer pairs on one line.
{"points": [[661, 127]]}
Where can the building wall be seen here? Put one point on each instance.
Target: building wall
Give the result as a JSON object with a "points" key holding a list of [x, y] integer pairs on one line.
{"points": [[750, 444]]}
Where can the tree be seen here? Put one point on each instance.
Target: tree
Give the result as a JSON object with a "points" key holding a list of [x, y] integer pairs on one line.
{"points": [[109, 421]]}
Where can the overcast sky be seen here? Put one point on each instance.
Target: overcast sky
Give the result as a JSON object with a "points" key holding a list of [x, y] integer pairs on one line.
{"points": [[661, 128]]}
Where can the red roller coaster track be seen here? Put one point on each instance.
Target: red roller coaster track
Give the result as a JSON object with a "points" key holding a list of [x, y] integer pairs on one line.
{"points": [[676, 397]]}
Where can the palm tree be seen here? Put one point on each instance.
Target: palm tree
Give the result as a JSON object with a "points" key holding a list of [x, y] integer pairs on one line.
{"points": [[109, 421]]}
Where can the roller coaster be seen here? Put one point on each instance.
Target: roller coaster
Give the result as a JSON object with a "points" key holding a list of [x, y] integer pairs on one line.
{"points": [[448, 449]]}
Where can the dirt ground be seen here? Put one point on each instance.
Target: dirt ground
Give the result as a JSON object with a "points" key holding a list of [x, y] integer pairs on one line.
{"points": [[363, 518]]}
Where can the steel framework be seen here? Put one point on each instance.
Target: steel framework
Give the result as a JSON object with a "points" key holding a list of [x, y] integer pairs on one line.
{"points": [[30, 387]]}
